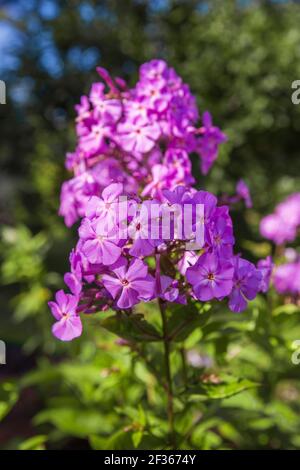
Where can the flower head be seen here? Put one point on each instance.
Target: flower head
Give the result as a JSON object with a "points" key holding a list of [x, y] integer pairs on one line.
{"points": [[68, 325], [208, 145], [287, 278], [265, 266], [282, 225], [129, 284], [246, 284], [99, 245], [211, 277]]}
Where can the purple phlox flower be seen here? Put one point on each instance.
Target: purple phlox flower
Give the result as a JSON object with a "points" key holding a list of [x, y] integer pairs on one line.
{"points": [[222, 212], [210, 139], [109, 207], [109, 111], [179, 219], [265, 266], [211, 277], [273, 228], [244, 193], [68, 325], [179, 202], [168, 290], [138, 136], [106, 77], [75, 194], [135, 109], [209, 201], [178, 196], [83, 106], [291, 254], [179, 161], [97, 94], [154, 70], [95, 141], [122, 84], [109, 171], [99, 245], [74, 279], [221, 237], [283, 224], [89, 271], [153, 95], [246, 284], [161, 179], [286, 278], [289, 210], [144, 229], [188, 259], [84, 115], [68, 203], [129, 284], [73, 160]]}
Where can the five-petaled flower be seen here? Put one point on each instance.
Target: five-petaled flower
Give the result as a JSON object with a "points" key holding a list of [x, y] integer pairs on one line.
{"points": [[246, 284], [129, 284], [68, 325], [210, 277]]}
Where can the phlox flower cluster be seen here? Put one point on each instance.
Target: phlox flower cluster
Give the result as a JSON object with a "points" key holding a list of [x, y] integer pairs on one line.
{"points": [[287, 278], [141, 137], [111, 267], [282, 226]]}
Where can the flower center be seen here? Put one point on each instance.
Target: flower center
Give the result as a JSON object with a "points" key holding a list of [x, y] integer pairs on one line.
{"points": [[218, 239], [138, 226], [125, 282], [210, 276]]}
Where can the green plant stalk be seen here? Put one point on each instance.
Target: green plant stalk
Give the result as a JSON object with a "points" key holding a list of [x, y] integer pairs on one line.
{"points": [[169, 386], [184, 368]]}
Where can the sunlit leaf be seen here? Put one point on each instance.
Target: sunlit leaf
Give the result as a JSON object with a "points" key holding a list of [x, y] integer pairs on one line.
{"points": [[34, 443], [184, 319], [224, 388], [8, 397], [132, 327]]}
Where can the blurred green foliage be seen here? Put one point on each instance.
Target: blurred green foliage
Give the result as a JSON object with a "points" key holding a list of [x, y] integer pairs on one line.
{"points": [[240, 59]]}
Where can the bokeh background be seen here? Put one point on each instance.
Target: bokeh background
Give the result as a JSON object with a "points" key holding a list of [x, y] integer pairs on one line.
{"points": [[240, 59]]}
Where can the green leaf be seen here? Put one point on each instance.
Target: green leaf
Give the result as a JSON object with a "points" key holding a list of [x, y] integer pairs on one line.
{"points": [[34, 443], [260, 250], [75, 421], [8, 397], [132, 327], [183, 319], [119, 441], [126, 438], [225, 388], [137, 437], [288, 309]]}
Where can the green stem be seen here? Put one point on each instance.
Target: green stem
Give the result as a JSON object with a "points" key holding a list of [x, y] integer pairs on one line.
{"points": [[184, 368], [169, 386]]}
